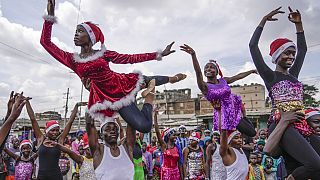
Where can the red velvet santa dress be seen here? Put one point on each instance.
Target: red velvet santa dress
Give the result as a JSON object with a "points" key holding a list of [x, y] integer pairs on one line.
{"points": [[109, 90]]}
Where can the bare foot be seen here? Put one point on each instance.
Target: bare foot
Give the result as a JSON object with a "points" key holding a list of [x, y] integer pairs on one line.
{"points": [[149, 89], [176, 78], [150, 96]]}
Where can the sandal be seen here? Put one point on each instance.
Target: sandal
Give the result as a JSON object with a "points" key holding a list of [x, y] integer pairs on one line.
{"points": [[149, 89]]}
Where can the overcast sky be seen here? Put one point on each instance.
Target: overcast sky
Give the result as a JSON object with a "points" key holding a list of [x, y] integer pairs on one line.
{"points": [[216, 29]]}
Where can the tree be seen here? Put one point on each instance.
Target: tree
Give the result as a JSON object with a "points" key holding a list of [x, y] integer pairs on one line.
{"points": [[309, 92]]}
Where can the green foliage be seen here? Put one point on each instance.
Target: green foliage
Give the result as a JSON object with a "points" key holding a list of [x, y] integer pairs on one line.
{"points": [[309, 92]]}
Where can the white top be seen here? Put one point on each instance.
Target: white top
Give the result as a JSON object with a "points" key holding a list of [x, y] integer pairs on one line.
{"points": [[218, 170], [239, 169], [115, 168]]}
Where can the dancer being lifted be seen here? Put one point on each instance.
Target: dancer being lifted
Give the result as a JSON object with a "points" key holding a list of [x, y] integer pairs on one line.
{"points": [[226, 105], [286, 93], [110, 92]]}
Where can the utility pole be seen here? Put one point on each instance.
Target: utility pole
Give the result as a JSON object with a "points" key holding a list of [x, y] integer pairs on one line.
{"points": [[66, 109], [80, 106]]}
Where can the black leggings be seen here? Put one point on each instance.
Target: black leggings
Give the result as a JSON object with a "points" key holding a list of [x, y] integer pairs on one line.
{"points": [[141, 120], [246, 127], [308, 154]]}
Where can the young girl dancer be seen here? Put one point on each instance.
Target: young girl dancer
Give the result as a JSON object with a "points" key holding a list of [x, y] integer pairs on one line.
{"points": [[110, 92], [226, 105], [286, 93], [24, 164]]}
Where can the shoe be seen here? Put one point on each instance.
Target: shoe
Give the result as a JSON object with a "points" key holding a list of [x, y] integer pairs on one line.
{"points": [[150, 88]]}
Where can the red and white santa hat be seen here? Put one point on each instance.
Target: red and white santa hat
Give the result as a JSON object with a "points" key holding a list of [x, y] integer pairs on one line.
{"points": [[94, 33], [311, 112], [25, 142], [85, 141], [195, 136], [51, 124], [278, 46], [214, 62]]}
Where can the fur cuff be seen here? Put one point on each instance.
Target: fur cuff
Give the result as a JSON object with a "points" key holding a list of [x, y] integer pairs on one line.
{"points": [[50, 18], [159, 55]]}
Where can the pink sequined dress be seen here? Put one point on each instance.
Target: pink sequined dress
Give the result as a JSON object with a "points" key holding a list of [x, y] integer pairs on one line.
{"points": [[109, 90], [23, 170], [170, 169], [230, 105]]}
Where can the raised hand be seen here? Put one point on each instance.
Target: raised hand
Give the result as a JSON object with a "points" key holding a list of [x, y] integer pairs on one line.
{"points": [[19, 102], [269, 17], [294, 16], [50, 7], [187, 49], [168, 50]]}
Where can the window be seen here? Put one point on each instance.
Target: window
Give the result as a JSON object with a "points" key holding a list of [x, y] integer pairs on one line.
{"points": [[244, 96], [181, 105], [256, 102], [256, 95]]}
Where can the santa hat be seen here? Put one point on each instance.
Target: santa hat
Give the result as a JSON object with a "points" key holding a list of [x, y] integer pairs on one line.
{"points": [[85, 141], [51, 124], [25, 142], [167, 133], [278, 46], [232, 135], [311, 112], [94, 33], [195, 136], [217, 66]]}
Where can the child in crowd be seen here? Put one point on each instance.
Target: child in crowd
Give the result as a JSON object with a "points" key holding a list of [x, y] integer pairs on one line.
{"points": [[255, 169], [269, 172]]}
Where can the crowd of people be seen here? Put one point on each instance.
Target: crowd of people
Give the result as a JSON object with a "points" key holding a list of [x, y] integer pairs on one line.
{"points": [[232, 150]]}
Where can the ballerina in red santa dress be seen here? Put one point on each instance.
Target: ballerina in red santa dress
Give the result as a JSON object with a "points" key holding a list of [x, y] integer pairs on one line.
{"points": [[110, 92]]}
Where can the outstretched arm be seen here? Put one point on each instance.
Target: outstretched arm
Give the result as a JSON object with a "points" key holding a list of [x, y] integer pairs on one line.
{"points": [[34, 123], [74, 156], [239, 76], [60, 55], [70, 122], [156, 127], [201, 84], [265, 72], [92, 134], [137, 58], [295, 17]]}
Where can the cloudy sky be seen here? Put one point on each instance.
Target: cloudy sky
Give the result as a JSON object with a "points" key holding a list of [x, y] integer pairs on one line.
{"points": [[216, 29]]}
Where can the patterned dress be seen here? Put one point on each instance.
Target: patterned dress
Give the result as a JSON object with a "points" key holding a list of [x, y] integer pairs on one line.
{"points": [[86, 171], [23, 170], [195, 165], [170, 169], [230, 105]]}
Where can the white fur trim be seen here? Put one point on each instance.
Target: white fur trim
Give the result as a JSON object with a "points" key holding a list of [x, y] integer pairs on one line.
{"points": [[159, 55], [280, 50], [50, 18], [100, 53], [312, 113], [125, 101], [232, 135], [51, 127], [90, 32]]}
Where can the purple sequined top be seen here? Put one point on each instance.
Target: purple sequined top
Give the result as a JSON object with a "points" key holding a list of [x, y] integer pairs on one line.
{"points": [[23, 170], [230, 105], [287, 95]]}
